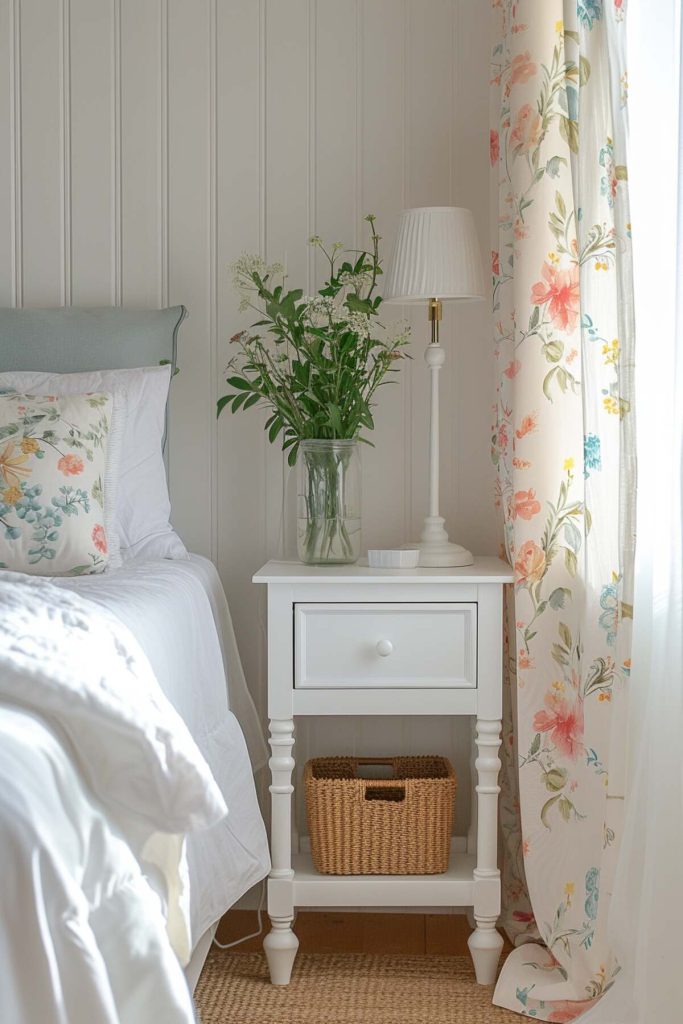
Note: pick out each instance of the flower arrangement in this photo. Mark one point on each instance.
(316, 363)
(323, 357)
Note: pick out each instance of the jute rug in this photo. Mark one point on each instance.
(346, 988)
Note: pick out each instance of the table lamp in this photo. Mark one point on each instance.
(435, 259)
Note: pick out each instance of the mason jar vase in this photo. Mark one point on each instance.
(328, 502)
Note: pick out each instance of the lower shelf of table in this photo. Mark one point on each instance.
(454, 888)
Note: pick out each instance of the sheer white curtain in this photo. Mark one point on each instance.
(646, 915)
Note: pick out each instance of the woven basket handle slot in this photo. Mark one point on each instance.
(375, 762)
(393, 794)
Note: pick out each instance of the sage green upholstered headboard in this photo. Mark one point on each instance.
(70, 340)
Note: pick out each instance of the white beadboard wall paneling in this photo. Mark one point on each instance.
(42, 178)
(7, 155)
(241, 216)
(137, 217)
(189, 209)
(88, 152)
(147, 143)
(289, 35)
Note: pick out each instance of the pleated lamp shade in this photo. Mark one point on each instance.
(436, 255)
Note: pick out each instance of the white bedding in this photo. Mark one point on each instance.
(97, 770)
(179, 615)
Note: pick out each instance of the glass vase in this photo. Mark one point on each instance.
(328, 502)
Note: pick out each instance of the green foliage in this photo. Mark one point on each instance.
(318, 360)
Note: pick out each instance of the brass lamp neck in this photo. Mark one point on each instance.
(434, 315)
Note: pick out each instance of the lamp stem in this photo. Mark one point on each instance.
(435, 548)
(435, 358)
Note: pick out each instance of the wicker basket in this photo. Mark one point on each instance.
(390, 826)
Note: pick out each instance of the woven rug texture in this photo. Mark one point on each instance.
(346, 988)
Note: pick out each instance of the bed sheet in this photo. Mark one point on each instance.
(179, 615)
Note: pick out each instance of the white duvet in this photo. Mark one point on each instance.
(84, 937)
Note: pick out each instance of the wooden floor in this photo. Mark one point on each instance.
(344, 932)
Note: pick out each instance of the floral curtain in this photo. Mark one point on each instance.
(564, 449)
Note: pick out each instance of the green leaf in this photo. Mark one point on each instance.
(558, 597)
(275, 428)
(238, 401)
(334, 417)
(534, 318)
(547, 381)
(552, 168)
(559, 654)
(572, 536)
(570, 561)
(357, 305)
(553, 351)
(565, 807)
(535, 745)
(561, 205)
(221, 403)
(565, 635)
(240, 383)
(546, 808)
(584, 70)
(621, 173)
(555, 779)
(569, 130)
(252, 400)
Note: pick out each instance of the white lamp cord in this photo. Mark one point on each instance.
(253, 935)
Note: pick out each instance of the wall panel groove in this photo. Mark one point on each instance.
(117, 199)
(213, 257)
(66, 149)
(312, 142)
(16, 221)
(164, 157)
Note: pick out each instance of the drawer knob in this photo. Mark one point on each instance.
(384, 648)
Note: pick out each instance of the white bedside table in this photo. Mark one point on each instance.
(350, 640)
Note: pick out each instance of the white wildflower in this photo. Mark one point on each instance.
(359, 323)
(249, 264)
(356, 281)
(319, 309)
(246, 265)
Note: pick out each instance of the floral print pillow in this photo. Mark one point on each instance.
(53, 454)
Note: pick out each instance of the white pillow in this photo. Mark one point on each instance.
(143, 507)
(53, 457)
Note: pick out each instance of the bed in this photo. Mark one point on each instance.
(78, 815)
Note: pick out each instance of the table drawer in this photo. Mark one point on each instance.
(346, 646)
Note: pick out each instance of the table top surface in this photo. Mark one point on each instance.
(484, 569)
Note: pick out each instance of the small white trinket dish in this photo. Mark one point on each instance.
(393, 558)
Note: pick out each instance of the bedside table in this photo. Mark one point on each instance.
(350, 640)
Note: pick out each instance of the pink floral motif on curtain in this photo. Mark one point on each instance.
(565, 454)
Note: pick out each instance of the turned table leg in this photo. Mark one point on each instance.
(485, 942)
(281, 944)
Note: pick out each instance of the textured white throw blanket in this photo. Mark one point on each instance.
(99, 782)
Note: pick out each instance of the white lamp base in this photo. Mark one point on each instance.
(436, 556)
(436, 551)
